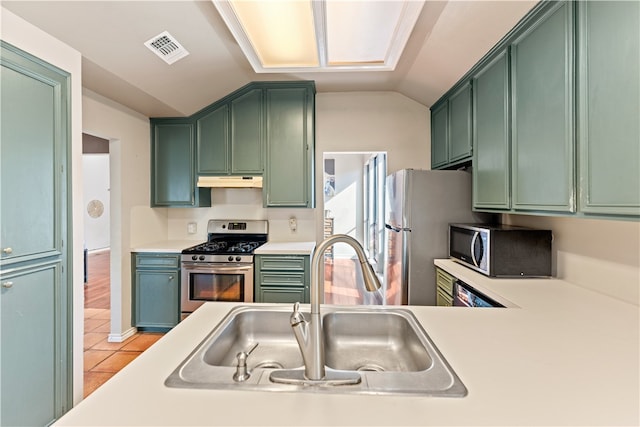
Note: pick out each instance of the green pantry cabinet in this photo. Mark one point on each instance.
(35, 284)
(282, 278)
(156, 290)
(261, 129)
(553, 137)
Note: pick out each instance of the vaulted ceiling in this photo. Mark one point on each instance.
(449, 37)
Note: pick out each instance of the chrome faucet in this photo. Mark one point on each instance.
(309, 333)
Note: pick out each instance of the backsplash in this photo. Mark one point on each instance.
(241, 203)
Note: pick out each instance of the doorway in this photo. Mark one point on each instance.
(97, 221)
(353, 192)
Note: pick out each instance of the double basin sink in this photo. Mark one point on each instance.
(387, 347)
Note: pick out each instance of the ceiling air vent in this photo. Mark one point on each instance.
(166, 47)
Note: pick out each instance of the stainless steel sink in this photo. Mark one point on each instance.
(387, 346)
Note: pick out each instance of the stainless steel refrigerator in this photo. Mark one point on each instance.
(419, 206)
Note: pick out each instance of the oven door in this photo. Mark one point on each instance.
(202, 282)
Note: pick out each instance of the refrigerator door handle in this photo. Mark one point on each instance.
(396, 229)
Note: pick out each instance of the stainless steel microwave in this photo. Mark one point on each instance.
(501, 250)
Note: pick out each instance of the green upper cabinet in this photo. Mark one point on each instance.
(290, 146)
(173, 177)
(542, 116)
(460, 124)
(440, 135)
(230, 137)
(247, 133)
(451, 128)
(263, 128)
(491, 153)
(609, 106)
(212, 134)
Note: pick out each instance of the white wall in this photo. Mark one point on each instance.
(132, 220)
(602, 255)
(95, 173)
(371, 122)
(25, 36)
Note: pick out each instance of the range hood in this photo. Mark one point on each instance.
(230, 181)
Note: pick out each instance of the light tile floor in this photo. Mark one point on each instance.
(103, 359)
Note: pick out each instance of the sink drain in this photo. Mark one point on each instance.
(269, 364)
(371, 367)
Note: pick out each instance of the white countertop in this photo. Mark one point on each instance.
(165, 246)
(286, 248)
(562, 355)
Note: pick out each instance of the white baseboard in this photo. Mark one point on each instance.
(123, 336)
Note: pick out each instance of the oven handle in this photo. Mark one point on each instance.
(215, 269)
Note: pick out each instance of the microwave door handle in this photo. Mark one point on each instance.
(473, 247)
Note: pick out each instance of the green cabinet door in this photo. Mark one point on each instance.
(173, 181)
(247, 133)
(212, 140)
(35, 290)
(290, 147)
(440, 135)
(491, 152)
(28, 161)
(282, 278)
(542, 116)
(156, 290)
(31, 348)
(460, 107)
(609, 106)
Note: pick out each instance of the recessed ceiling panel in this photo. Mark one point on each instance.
(361, 32)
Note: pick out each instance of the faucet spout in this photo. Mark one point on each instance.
(314, 363)
(309, 333)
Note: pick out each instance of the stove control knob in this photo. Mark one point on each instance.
(194, 257)
(230, 258)
(238, 258)
(201, 258)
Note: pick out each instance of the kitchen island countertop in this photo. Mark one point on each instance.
(559, 355)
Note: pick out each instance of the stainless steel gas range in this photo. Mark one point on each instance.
(221, 269)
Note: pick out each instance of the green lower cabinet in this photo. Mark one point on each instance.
(156, 291)
(609, 106)
(444, 284)
(282, 278)
(32, 352)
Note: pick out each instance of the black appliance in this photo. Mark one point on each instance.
(501, 250)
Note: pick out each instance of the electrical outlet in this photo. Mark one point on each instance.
(192, 227)
(293, 225)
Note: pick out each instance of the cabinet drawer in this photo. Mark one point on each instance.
(157, 261)
(444, 282)
(282, 295)
(288, 263)
(281, 279)
(443, 300)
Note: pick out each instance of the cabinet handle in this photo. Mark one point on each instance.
(170, 277)
(7, 285)
(7, 251)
